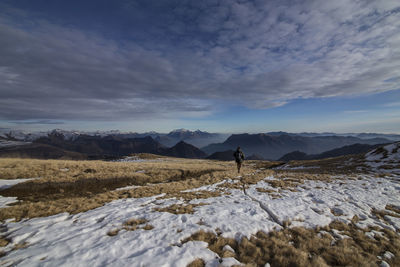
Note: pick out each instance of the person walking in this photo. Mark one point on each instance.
(239, 157)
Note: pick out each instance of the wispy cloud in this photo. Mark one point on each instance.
(23, 122)
(392, 104)
(259, 54)
(355, 111)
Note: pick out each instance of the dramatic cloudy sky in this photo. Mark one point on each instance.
(216, 65)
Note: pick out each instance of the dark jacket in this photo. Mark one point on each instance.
(239, 156)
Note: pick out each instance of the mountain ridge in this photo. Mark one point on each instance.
(342, 151)
(275, 146)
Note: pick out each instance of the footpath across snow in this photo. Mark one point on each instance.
(83, 240)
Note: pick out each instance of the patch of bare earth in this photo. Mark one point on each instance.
(338, 244)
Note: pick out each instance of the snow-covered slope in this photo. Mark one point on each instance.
(385, 158)
(31, 136)
(6, 143)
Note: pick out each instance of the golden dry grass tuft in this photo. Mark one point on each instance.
(264, 190)
(393, 208)
(132, 225)
(148, 227)
(113, 232)
(271, 193)
(135, 222)
(196, 263)
(4, 241)
(390, 210)
(180, 208)
(187, 196)
(308, 247)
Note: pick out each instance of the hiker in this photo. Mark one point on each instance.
(239, 157)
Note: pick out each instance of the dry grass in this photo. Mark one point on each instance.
(148, 227)
(113, 232)
(148, 156)
(132, 224)
(272, 193)
(308, 247)
(231, 185)
(197, 263)
(390, 210)
(348, 165)
(135, 222)
(264, 190)
(78, 186)
(180, 208)
(393, 208)
(4, 241)
(20, 245)
(70, 171)
(286, 180)
(187, 196)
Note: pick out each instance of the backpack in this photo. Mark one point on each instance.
(239, 157)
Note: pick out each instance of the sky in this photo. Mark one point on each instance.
(216, 65)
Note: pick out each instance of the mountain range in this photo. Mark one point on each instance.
(346, 150)
(56, 145)
(197, 138)
(275, 146)
(180, 143)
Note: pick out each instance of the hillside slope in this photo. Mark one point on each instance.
(184, 150)
(342, 151)
(39, 151)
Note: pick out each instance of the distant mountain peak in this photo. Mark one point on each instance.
(181, 130)
(185, 150)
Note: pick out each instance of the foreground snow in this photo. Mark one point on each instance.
(82, 240)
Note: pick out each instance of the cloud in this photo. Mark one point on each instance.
(355, 111)
(259, 54)
(392, 104)
(51, 122)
